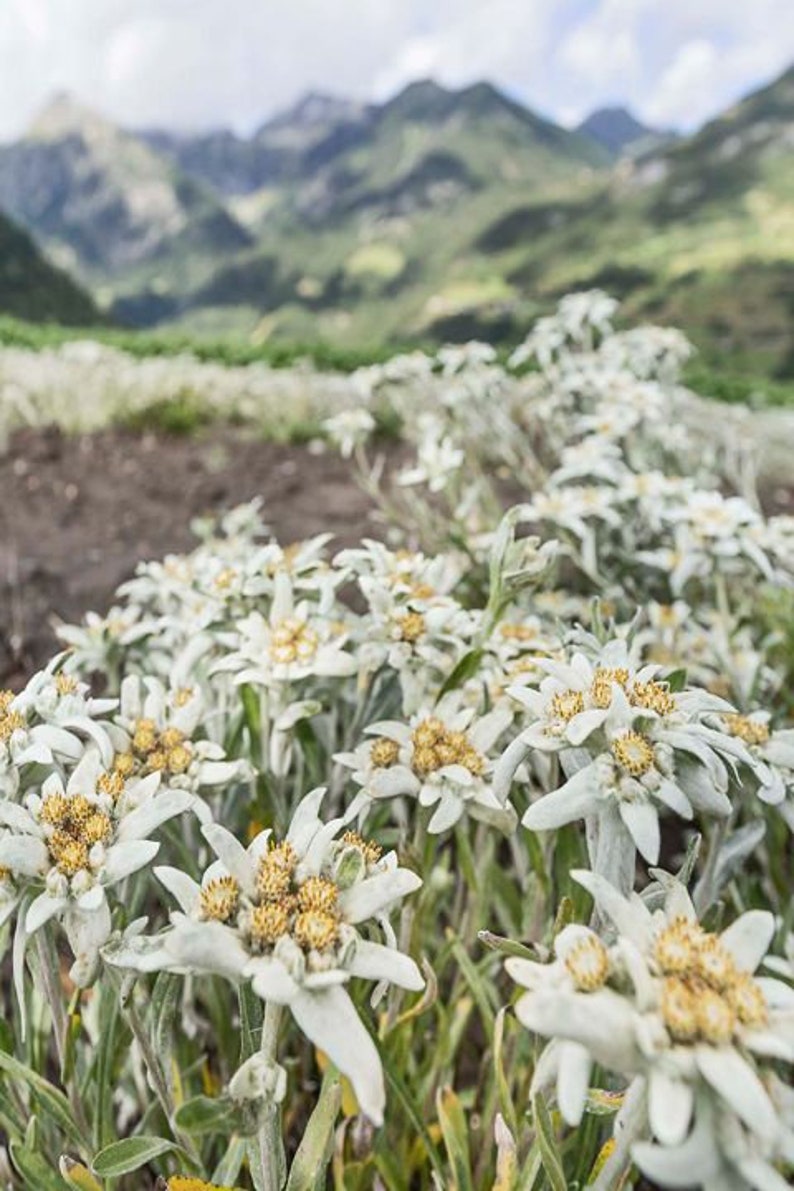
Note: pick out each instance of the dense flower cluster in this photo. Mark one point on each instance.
(594, 656)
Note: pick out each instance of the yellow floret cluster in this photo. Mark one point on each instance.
(166, 750)
(77, 824)
(705, 997)
(305, 909)
(436, 745)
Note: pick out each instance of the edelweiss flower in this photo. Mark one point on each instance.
(640, 745)
(440, 758)
(437, 457)
(348, 429)
(49, 719)
(155, 732)
(287, 916)
(69, 843)
(293, 643)
(420, 635)
(682, 1009)
(771, 752)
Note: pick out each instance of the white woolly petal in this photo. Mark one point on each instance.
(329, 1019)
(577, 799)
(375, 894)
(373, 961)
(306, 820)
(185, 891)
(573, 1080)
(748, 938)
(446, 814)
(737, 1084)
(271, 980)
(24, 854)
(642, 822)
(236, 859)
(123, 859)
(151, 814)
(206, 947)
(670, 1104)
(42, 909)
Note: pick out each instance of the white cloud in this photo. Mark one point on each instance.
(198, 63)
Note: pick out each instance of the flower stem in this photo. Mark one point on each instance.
(266, 1152)
(706, 889)
(157, 1075)
(629, 1126)
(49, 965)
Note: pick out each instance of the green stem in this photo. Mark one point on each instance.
(630, 1125)
(706, 892)
(48, 963)
(266, 1152)
(157, 1076)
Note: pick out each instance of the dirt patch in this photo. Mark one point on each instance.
(77, 514)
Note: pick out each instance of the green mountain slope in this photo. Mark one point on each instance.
(439, 214)
(103, 203)
(33, 289)
(700, 233)
(361, 229)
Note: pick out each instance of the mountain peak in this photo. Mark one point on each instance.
(315, 109)
(614, 128)
(64, 115)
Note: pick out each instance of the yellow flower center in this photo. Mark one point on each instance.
(274, 877)
(704, 996)
(10, 722)
(422, 591)
(65, 684)
(603, 680)
(225, 578)
(675, 947)
(315, 930)
(144, 736)
(112, 784)
(748, 730)
(124, 764)
(293, 640)
(748, 1001)
(384, 753)
(178, 759)
(171, 738)
(714, 964)
(435, 746)
(319, 894)
(54, 809)
(78, 825)
(167, 751)
(716, 1019)
(69, 854)
(270, 921)
(587, 963)
(633, 752)
(518, 632)
(183, 696)
(370, 851)
(220, 898)
(411, 627)
(566, 704)
(679, 1010)
(654, 696)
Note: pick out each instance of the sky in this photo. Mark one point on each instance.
(195, 64)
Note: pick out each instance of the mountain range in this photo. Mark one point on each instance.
(438, 214)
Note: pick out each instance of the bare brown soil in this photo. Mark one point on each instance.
(77, 514)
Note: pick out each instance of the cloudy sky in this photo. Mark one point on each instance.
(201, 63)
